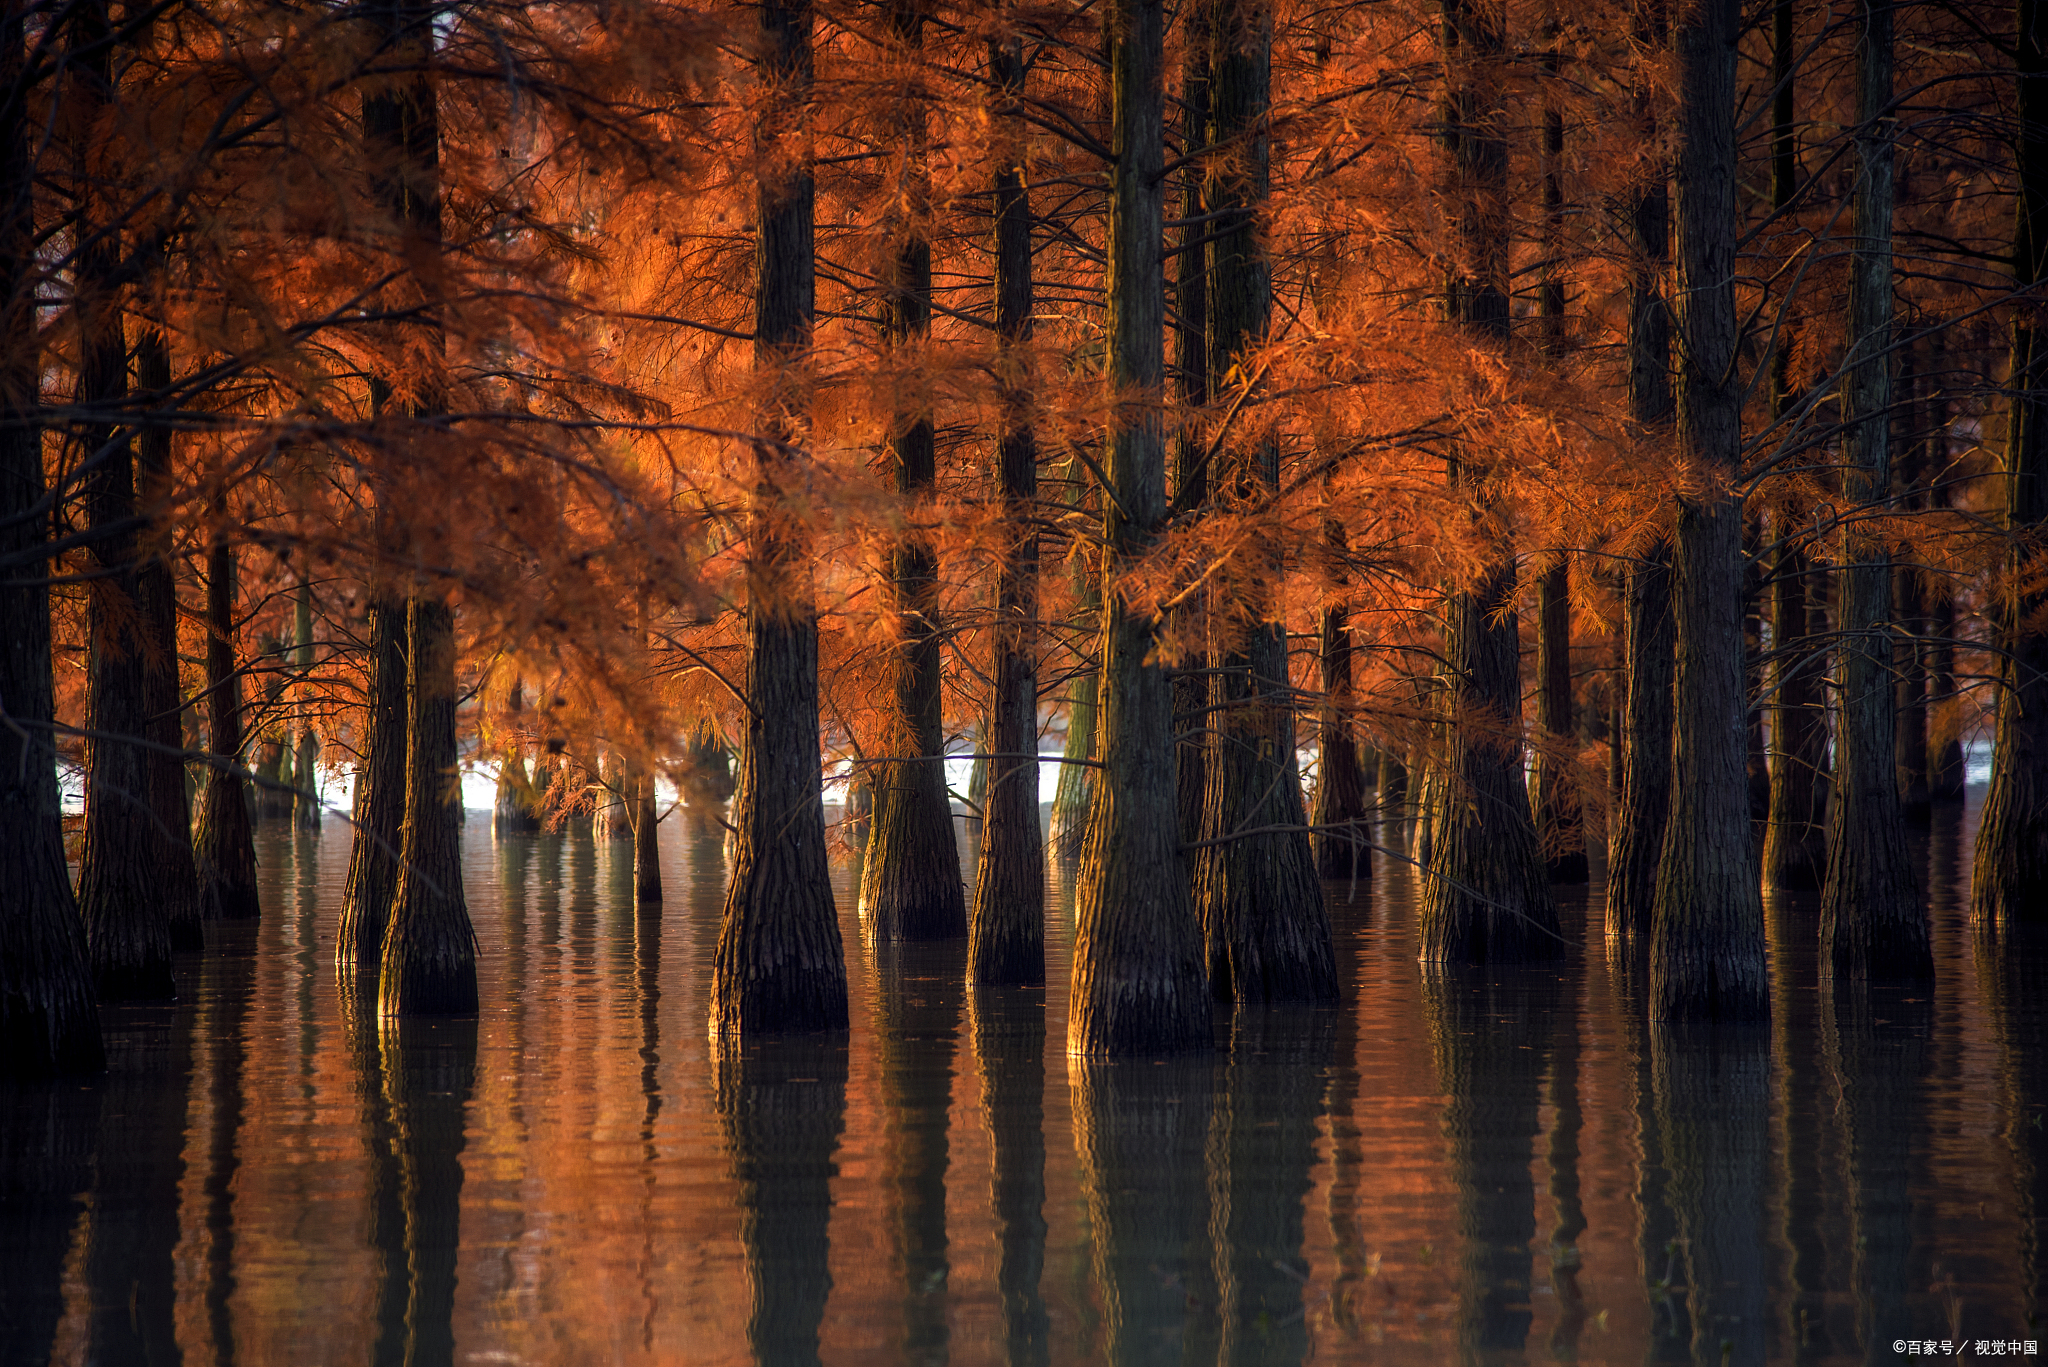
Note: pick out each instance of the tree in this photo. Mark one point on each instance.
(1139, 979)
(224, 849)
(780, 965)
(1006, 933)
(1706, 935)
(47, 1021)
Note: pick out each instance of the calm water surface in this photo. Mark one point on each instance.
(1500, 1170)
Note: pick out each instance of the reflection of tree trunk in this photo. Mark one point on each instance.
(1656, 1229)
(2013, 976)
(1263, 1140)
(1009, 1051)
(918, 996)
(1566, 1123)
(1139, 1133)
(47, 1156)
(133, 1233)
(1712, 1091)
(1491, 1038)
(384, 1191)
(47, 1021)
(1804, 1104)
(429, 1069)
(1876, 1042)
(224, 1005)
(783, 1104)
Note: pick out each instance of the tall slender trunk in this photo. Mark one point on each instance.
(780, 965)
(1795, 848)
(1342, 815)
(127, 929)
(427, 966)
(1553, 794)
(1485, 898)
(47, 1022)
(1945, 744)
(306, 812)
(170, 823)
(1635, 839)
(1074, 791)
(1873, 923)
(1190, 453)
(2012, 832)
(641, 813)
(1138, 984)
(1706, 935)
(379, 797)
(224, 848)
(1258, 896)
(910, 880)
(1006, 934)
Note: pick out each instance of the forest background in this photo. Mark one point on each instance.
(1610, 427)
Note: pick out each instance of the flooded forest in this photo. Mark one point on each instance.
(1140, 681)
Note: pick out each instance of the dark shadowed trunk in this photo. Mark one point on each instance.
(1190, 453)
(639, 803)
(1485, 898)
(428, 966)
(1342, 814)
(127, 927)
(170, 813)
(2012, 832)
(379, 799)
(1873, 924)
(429, 1072)
(1635, 837)
(1139, 985)
(779, 963)
(1707, 936)
(1006, 934)
(225, 849)
(306, 810)
(1255, 884)
(918, 1002)
(910, 880)
(47, 1021)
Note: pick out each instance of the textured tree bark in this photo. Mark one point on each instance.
(1342, 816)
(224, 849)
(1258, 897)
(379, 799)
(170, 815)
(646, 849)
(1485, 898)
(1190, 455)
(1139, 981)
(910, 880)
(48, 1025)
(127, 927)
(1706, 937)
(1635, 837)
(1006, 932)
(2012, 830)
(1073, 792)
(1553, 794)
(428, 965)
(779, 964)
(1873, 923)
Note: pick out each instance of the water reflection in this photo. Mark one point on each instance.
(783, 1105)
(1502, 1169)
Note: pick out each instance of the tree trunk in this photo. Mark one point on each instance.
(379, 799)
(1873, 924)
(1560, 823)
(429, 955)
(1485, 898)
(646, 849)
(225, 850)
(1138, 984)
(1635, 838)
(1343, 807)
(1707, 937)
(780, 965)
(47, 1022)
(306, 809)
(170, 822)
(1006, 934)
(1258, 896)
(1073, 792)
(127, 929)
(910, 880)
(2012, 831)
(1190, 449)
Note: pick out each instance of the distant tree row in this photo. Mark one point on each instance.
(601, 391)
